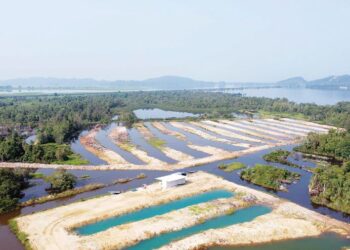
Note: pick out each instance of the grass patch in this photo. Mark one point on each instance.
(122, 180)
(22, 237)
(126, 146)
(73, 159)
(37, 175)
(280, 156)
(231, 166)
(197, 209)
(65, 194)
(85, 177)
(269, 176)
(270, 114)
(156, 142)
(141, 176)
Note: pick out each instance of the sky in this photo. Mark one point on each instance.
(214, 40)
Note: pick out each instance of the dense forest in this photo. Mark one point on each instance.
(12, 182)
(269, 176)
(330, 184)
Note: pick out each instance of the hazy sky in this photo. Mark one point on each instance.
(262, 40)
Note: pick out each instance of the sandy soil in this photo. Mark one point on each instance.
(279, 125)
(228, 133)
(297, 126)
(206, 135)
(272, 127)
(312, 124)
(252, 124)
(208, 149)
(50, 229)
(118, 137)
(160, 126)
(264, 134)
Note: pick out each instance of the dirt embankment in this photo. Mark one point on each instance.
(229, 133)
(207, 136)
(250, 128)
(160, 126)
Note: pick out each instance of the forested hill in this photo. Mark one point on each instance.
(169, 83)
(159, 83)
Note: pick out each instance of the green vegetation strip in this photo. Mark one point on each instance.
(22, 237)
(65, 194)
(280, 156)
(269, 176)
(156, 142)
(231, 166)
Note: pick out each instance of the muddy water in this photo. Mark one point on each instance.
(197, 140)
(102, 137)
(175, 143)
(78, 148)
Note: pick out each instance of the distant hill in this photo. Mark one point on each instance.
(168, 83)
(331, 82)
(160, 83)
(293, 82)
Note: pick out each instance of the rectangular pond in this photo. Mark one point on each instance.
(240, 216)
(152, 211)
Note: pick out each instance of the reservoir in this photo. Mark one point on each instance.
(240, 216)
(153, 211)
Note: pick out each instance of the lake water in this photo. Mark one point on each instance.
(240, 216)
(152, 211)
(298, 95)
(161, 114)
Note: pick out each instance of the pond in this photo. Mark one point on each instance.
(153, 211)
(240, 216)
(145, 114)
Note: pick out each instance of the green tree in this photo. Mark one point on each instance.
(61, 181)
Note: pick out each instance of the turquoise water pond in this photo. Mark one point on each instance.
(152, 211)
(324, 242)
(239, 216)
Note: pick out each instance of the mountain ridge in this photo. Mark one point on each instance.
(169, 82)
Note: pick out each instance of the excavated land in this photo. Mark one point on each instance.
(54, 229)
(250, 135)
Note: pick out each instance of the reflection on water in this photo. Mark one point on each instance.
(161, 114)
(298, 95)
(78, 148)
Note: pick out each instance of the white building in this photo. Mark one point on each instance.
(172, 180)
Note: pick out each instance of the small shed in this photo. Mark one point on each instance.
(172, 180)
